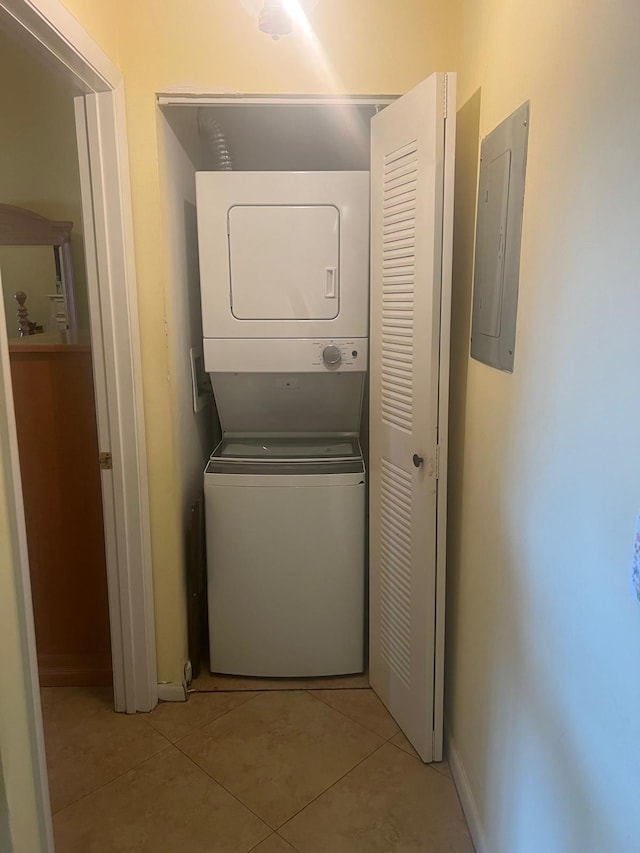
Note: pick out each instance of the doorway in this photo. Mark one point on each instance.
(248, 134)
(411, 168)
(51, 370)
(49, 31)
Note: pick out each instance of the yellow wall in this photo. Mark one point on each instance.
(368, 46)
(543, 632)
(99, 19)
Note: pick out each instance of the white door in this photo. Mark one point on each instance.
(411, 222)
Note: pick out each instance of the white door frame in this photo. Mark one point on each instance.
(50, 32)
(106, 207)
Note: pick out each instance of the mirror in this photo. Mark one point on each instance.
(35, 258)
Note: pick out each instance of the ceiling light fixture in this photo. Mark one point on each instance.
(278, 17)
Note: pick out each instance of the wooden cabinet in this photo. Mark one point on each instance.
(57, 440)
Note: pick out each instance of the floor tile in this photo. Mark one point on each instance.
(174, 720)
(400, 740)
(274, 844)
(88, 744)
(164, 804)
(278, 751)
(389, 803)
(362, 706)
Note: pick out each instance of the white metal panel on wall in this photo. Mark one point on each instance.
(407, 275)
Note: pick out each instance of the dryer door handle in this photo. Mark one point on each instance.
(330, 283)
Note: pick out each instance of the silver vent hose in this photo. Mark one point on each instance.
(216, 143)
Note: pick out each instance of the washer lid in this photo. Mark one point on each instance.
(287, 448)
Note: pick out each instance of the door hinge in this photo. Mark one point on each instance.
(437, 461)
(105, 461)
(446, 92)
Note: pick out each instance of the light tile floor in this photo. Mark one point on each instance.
(313, 771)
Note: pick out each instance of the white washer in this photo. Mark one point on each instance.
(286, 583)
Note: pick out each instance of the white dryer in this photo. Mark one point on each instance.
(283, 254)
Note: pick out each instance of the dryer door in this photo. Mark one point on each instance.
(284, 261)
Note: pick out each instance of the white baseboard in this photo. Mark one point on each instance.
(466, 795)
(172, 691)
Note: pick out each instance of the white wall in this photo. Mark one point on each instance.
(543, 631)
(196, 433)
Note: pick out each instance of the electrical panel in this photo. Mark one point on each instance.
(503, 161)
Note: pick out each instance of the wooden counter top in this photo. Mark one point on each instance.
(47, 343)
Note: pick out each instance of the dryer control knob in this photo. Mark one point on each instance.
(331, 356)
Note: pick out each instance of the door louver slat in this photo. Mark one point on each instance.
(395, 569)
(398, 270)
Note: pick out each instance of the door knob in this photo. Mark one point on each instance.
(417, 460)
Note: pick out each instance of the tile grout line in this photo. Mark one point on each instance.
(221, 717)
(282, 838)
(224, 788)
(429, 765)
(154, 729)
(115, 778)
(276, 829)
(440, 772)
(275, 689)
(168, 744)
(388, 740)
(118, 775)
(247, 699)
(327, 789)
(200, 725)
(351, 719)
(274, 832)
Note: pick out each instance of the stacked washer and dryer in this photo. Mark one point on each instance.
(284, 288)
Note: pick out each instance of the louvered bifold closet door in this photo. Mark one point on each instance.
(406, 265)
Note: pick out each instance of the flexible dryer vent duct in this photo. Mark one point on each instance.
(214, 141)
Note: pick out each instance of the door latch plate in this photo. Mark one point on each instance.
(105, 461)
